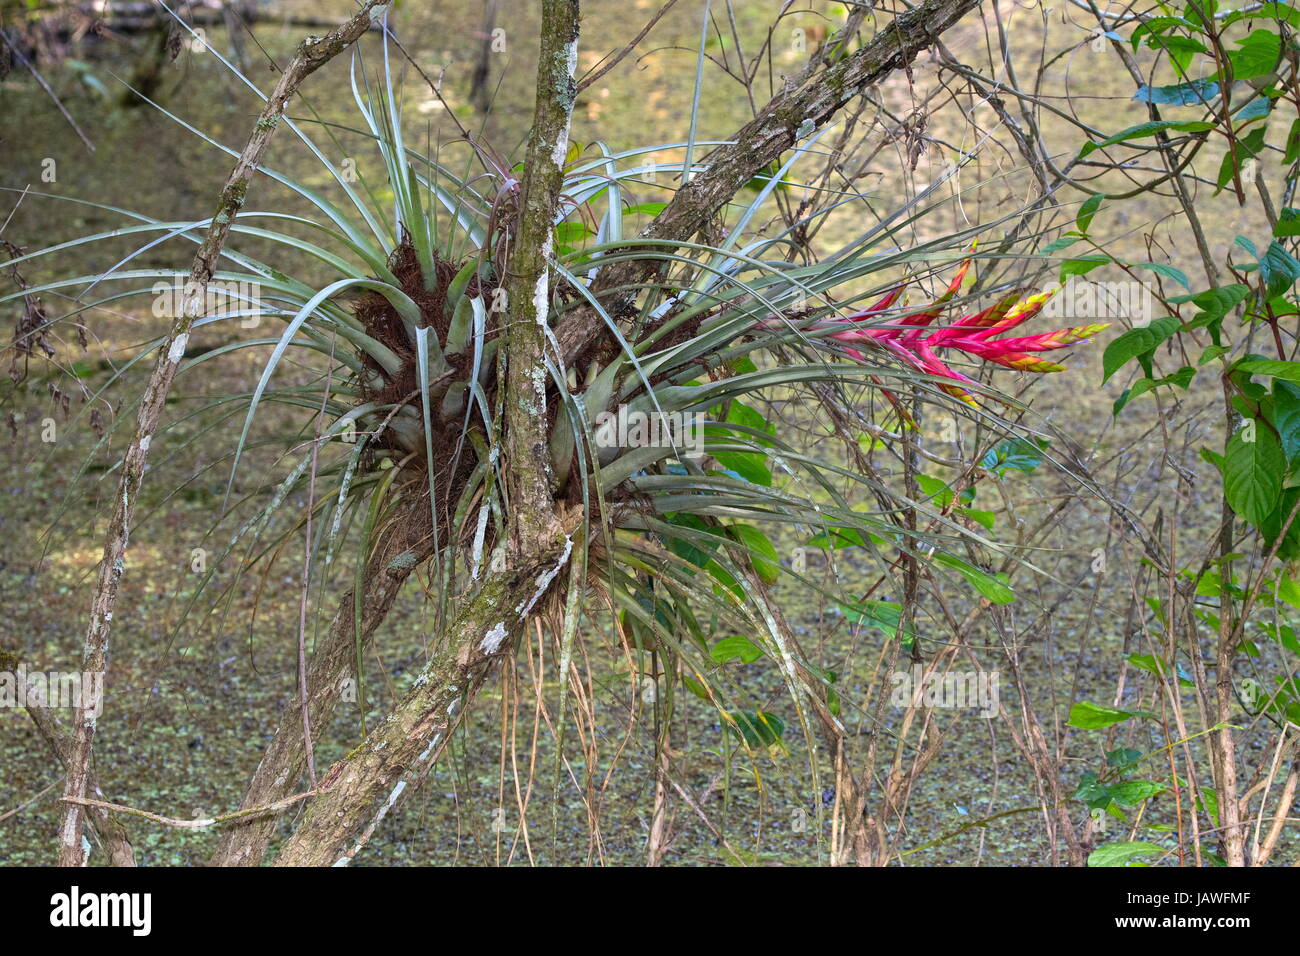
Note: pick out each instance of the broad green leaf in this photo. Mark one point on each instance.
(989, 586)
(1248, 147)
(758, 728)
(1257, 55)
(1082, 266)
(1120, 854)
(1132, 792)
(1089, 209)
(1279, 270)
(1287, 371)
(737, 648)
(1192, 93)
(1288, 222)
(761, 551)
(1286, 416)
(750, 466)
(1252, 474)
(884, 616)
(1015, 454)
(1169, 272)
(1143, 130)
(1136, 343)
(1086, 715)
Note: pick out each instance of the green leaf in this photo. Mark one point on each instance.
(1155, 126)
(1248, 147)
(1132, 792)
(986, 518)
(1287, 371)
(1211, 353)
(1091, 791)
(884, 616)
(1192, 93)
(1292, 152)
(1288, 222)
(939, 493)
(989, 586)
(748, 465)
(696, 688)
(1086, 715)
(1286, 417)
(1169, 272)
(1064, 242)
(1015, 454)
(1122, 758)
(1082, 266)
(1182, 50)
(685, 547)
(1089, 209)
(1153, 27)
(1120, 854)
(760, 551)
(1279, 270)
(646, 208)
(758, 728)
(1252, 472)
(1257, 55)
(737, 648)
(741, 414)
(1257, 108)
(567, 232)
(1136, 343)
(1209, 802)
(1288, 590)
(1182, 378)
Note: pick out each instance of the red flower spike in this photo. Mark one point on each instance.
(933, 310)
(912, 342)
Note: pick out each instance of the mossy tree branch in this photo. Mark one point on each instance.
(528, 280)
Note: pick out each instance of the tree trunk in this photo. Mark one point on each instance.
(402, 749)
(408, 545)
(362, 788)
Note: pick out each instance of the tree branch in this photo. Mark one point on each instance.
(313, 53)
(807, 102)
(528, 281)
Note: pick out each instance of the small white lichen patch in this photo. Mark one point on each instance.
(542, 296)
(562, 141)
(546, 577)
(494, 638)
(177, 351)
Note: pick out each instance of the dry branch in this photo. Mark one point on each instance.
(313, 53)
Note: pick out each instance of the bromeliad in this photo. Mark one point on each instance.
(913, 339)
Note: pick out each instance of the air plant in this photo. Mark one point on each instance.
(408, 326)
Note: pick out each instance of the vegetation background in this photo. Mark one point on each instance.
(194, 700)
